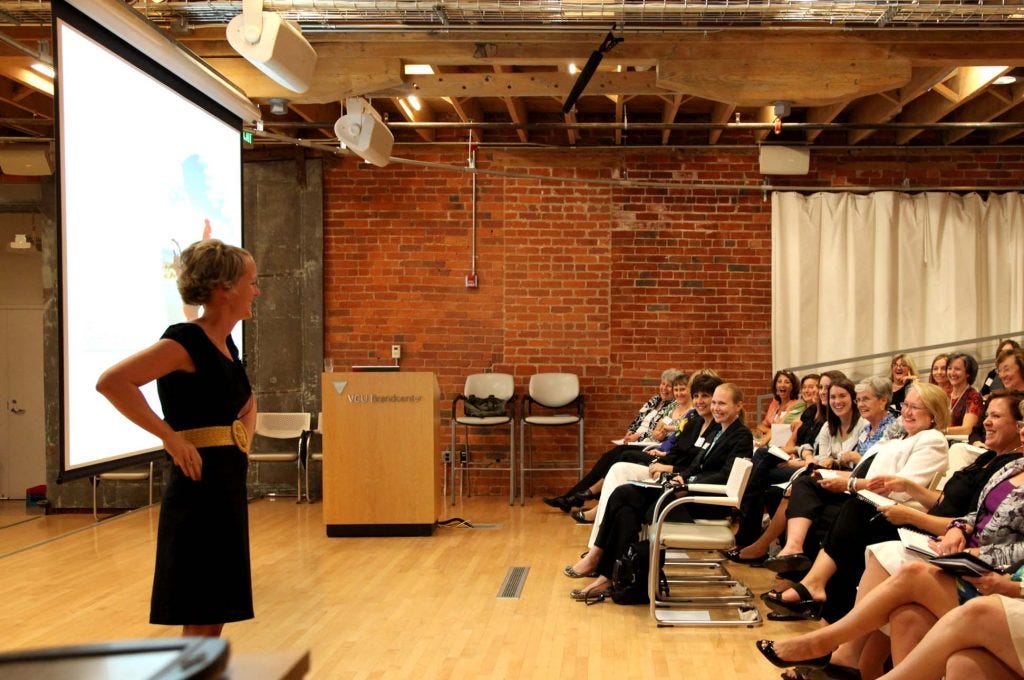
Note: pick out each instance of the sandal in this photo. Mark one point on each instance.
(588, 597)
(804, 608)
(785, 563)
(572, 573)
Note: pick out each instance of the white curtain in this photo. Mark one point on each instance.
(861, 274)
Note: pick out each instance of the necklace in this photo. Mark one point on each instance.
(957, 400)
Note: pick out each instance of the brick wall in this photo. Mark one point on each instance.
(612, 283)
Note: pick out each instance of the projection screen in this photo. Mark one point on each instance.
(147, 164)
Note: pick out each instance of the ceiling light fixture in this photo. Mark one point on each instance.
(1005, 80)
(419, 70)
(414, 101)
(573, 69)
(278, 105)
(44, 69)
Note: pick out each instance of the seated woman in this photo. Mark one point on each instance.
(630, 506)
(901, 372)
(829, 588)
(965, 411)
(784, 408)
(983, 638)
(770, 469)
(938, 373)
(992, 381)
(1010, 365)
(649, 424)
(873, 405)
(918, 456)
(692, 440)
(994, 532)
(842, 427)
(766, 474)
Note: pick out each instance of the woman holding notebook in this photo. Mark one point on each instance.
(994, 532)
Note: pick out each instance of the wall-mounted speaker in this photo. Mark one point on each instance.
(278, 48)
(785, 160)
(362, 131)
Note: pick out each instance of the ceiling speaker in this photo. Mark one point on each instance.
(26, 159)
(362, 131)
(278, 48)
(785, 160)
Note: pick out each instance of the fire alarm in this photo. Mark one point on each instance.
(472, 281)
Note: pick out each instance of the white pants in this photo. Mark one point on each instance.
(619, 474)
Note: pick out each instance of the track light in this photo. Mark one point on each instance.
(588, 71)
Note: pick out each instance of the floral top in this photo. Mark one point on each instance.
(968, 402)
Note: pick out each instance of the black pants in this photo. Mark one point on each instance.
(857, 526)
(623, 453)
(628, 509)
(767, 471)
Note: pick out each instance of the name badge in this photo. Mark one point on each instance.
(700, 442)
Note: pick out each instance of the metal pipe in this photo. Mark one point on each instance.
(682, 186)
(611, 125)
(911, 350)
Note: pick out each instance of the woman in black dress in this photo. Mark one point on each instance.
(202, 578)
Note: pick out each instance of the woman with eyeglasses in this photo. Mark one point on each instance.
(993, 381)
(902, 372)
(918, 456)
(832, 581)
(919, 594)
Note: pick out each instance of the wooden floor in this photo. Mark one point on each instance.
(372, 608)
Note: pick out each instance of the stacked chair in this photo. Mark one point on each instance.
(698, 589)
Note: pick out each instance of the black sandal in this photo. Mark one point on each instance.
(805, 608)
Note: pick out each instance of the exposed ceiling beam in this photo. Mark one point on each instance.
(823, 114)
(995, 102)
(534, 84)
(1017, 116)
(415, 110)
(669, 113)
(721, 113)
(884, 107)
(516, 108)
(933, 106)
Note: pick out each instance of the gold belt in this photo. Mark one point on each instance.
(219, 435)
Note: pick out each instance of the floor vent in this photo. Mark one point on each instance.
(512, 586)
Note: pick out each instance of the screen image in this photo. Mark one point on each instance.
(144, 172)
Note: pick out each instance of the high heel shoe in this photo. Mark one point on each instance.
(734, 556)
(580, 517)
(767, 649)
(560, 502)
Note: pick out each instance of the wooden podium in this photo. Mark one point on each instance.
(382, 453)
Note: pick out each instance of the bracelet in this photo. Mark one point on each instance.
(851, 484)
(963, 526)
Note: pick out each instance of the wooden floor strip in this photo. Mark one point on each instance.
(397, 607)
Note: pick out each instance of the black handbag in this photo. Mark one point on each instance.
(630, 573)
(484, 407)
